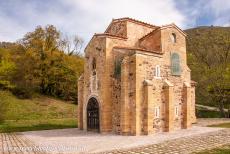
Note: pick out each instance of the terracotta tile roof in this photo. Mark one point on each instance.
(136, 48)
(106, 35)
(135, 21)
(174, 25)
(162, 27)
(109, 35)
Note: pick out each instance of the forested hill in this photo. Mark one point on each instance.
(208, 51)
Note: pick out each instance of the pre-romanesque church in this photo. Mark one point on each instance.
(136, 80)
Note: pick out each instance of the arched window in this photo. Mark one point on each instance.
(175, 64)
(94, 64)
(157, 71)
(173, 37)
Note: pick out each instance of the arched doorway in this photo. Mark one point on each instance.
(93, 119)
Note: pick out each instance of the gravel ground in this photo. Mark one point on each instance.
(76, 141)
(88, 142)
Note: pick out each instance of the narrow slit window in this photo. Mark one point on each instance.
(157, 71)
(94, 64)
(157, 112)
(176, 111)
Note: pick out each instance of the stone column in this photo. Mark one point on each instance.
(125, 116)
(169, 106)
(186, 105)
(80, 101)
(137, 69)
(193, 102)
(148, 107)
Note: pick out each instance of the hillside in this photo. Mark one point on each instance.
(209, 60)
(38, 113)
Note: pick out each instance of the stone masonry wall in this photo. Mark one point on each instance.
(95, 49)
(122, 99)
(118, 29)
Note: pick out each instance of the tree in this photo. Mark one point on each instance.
(72, 45)
(39, 46)
(49, 68)
(42, 61)
(209, 60)
(7, 68)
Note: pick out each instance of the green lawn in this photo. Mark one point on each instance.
(36, 114)
(223, 125)
(221, 150)
(30, 125)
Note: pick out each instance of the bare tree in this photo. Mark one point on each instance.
(72, 44)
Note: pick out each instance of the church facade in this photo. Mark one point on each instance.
(136, 80)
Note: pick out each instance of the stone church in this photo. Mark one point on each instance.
(136, 80)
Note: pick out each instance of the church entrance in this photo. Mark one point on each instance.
(93, 122)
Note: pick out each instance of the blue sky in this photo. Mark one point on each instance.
(86, 17)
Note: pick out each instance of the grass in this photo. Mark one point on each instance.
(220, 150)
(36, 114)
(32, 125)
(223, 125)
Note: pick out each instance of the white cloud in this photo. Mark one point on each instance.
(97, 14)
(9, 30)
(86, 17)
(154, 11)
(220, 9)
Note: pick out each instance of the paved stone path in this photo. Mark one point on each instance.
(183, 145)
(90, 142)
(182, 141)
(12, 143)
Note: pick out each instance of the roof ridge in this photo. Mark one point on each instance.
(161, 27)
(135, 20)
(108, 34)
(178, 28)
(137, 48)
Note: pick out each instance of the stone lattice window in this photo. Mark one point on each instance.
(175, 64)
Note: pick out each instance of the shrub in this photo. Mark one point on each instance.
(22, 92)
(3, 107)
